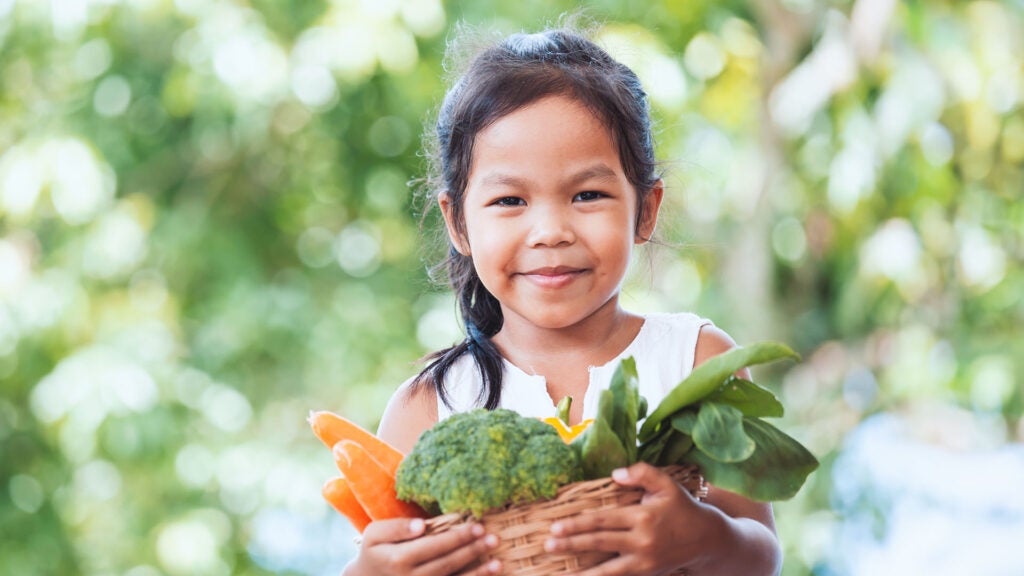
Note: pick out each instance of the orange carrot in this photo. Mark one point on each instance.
(339, 495)
(373, 486)
(331, 429)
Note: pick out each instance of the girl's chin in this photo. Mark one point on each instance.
(551, 318)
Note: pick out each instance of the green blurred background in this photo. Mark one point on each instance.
(206, 230)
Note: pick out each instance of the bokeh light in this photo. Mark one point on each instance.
(209, 226)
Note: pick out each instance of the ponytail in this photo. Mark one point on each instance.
(482, 317)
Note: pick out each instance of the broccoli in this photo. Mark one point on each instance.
(480, 460)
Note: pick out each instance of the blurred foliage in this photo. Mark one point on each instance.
(206, 231)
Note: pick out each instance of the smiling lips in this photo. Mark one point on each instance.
(553, 276)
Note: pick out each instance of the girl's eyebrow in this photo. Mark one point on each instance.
(598, 171)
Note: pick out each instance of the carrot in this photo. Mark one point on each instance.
(373, 486)
(339, 495)
(331, 429)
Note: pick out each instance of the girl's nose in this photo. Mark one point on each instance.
(550, 227)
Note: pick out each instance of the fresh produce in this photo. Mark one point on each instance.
(371, 484)
(712, 419)
(710, 376)
(339, 495)
(331, 429)
(610, 440)
(366, 489)
(480, 460)
(567, 432)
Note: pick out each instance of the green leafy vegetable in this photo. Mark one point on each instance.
(600, 449)
(676, 447)
(776, 470)
(562, 410)
(719, 433)
(625, 403)
(750, 398)
(713, 421)
(709, 376)
(685, 421)
(610, 441)
(652, 451)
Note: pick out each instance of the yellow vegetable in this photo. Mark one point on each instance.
(565, 432)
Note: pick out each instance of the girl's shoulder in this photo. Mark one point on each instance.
(684, 339)
(671, 333)
(665, 350)
(676, 320)
(411, 410)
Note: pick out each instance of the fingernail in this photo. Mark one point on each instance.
(550, 545)
(477, 530)
(557, 528)
(416, 525)
(491, 541)
(620, 474)
(494, 566)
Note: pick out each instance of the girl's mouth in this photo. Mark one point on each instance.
(553, 276)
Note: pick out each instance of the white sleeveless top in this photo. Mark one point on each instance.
(664, 353)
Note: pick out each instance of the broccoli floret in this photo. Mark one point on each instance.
(480, 460)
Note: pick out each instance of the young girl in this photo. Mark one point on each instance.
(546, 180)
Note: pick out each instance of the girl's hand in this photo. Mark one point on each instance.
(399, 547)
(664, 531)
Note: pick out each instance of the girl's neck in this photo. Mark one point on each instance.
(551, 352)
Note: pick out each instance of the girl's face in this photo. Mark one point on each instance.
(550, 218)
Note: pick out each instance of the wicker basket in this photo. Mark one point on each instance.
(524, 528)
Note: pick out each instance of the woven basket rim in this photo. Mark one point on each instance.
(523, 528)
(680, 473)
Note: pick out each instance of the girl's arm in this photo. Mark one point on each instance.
(409, 413)
(399, 546)
(750, 526)
(726, 534)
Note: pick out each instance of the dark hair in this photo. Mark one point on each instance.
(516, 72)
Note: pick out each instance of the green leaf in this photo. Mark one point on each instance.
(676, 448)
(625, 403)
(651, 450)
(670, 444)
(719, 433)
(685, 421)
(776, 470)
(750, 398)
(600, 450)
(562, 409)
(707, 377)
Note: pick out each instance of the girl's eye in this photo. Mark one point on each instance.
(589, 196)
(509, 201)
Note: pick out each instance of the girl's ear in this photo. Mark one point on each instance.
(457, 238)
(652, 202)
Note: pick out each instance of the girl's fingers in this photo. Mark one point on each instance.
(492, 567)
(606, 541)
(462, 557)
(393, 530)
(645, 476)
(620, 519)
(442, 546)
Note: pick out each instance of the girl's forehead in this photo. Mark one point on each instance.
(551, 133)
(548, 114)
